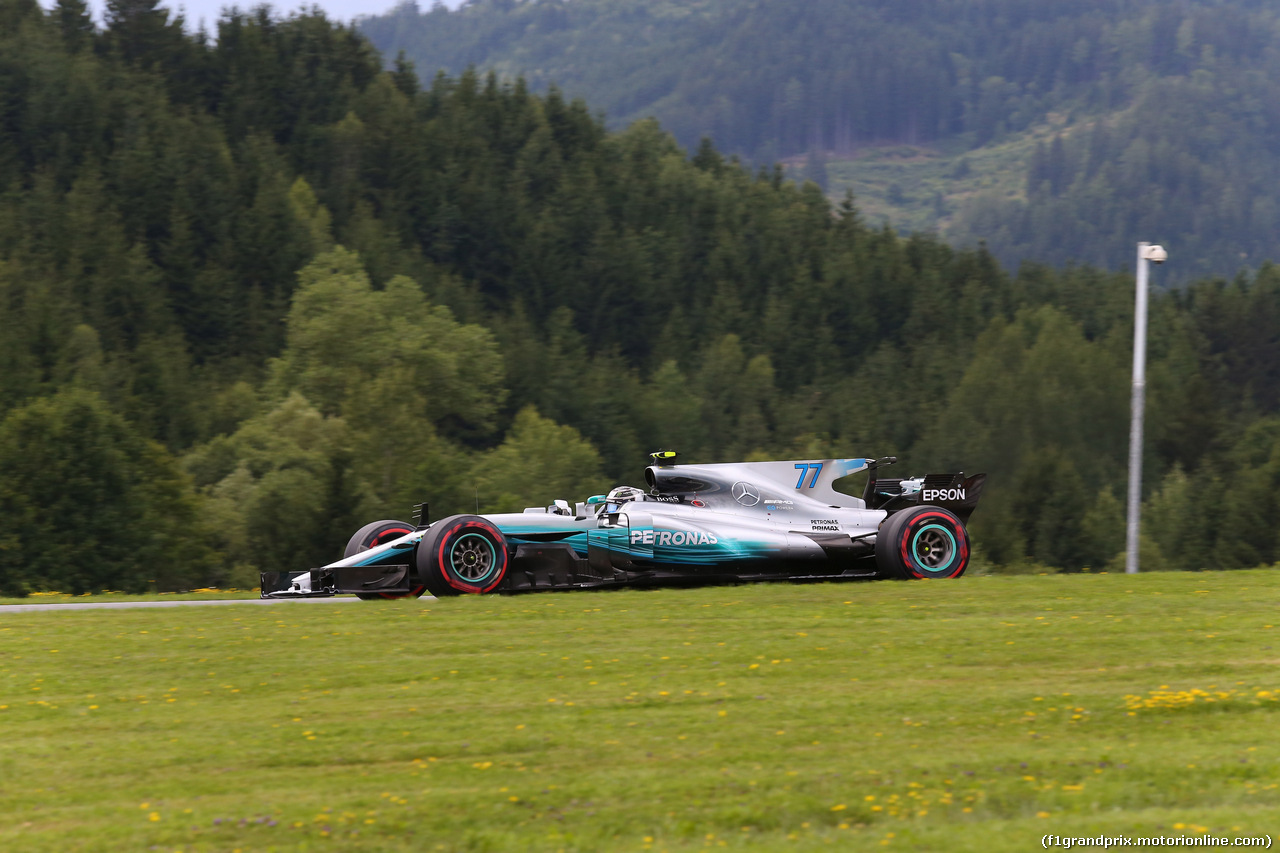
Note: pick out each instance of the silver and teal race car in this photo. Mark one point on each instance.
(729, 522)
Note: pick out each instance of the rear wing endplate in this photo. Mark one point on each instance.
(954, 492)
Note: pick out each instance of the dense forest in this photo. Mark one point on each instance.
(256, 290)
(1152, 120)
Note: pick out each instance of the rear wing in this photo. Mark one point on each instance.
(954, 492)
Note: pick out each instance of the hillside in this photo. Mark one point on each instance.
(1164, 114)
(256, 290)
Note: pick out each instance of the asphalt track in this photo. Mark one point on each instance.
(122, 605)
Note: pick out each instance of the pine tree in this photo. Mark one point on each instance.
(75, 23)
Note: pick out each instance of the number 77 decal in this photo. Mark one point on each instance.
(804, 469)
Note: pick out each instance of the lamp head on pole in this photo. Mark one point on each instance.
(1156, 254)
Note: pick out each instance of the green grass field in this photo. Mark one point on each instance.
(970, 715)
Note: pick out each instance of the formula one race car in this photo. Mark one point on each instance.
(695, 524)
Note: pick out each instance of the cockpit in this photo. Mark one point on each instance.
(610, 503)
(621, 495)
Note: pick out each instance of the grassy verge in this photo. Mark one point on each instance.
(974, 715)
(107, 596)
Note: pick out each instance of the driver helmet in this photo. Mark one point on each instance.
(621, 495)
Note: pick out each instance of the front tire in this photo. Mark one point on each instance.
(371, 536)
(463, 554)
(922, 542)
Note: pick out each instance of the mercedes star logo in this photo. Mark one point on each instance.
(746, 494)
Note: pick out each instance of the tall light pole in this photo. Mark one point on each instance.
(1154, 254)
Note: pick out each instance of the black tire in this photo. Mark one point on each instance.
(375, 534)
(463, 554)
(922, 542)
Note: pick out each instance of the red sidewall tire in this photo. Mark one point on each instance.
(463, 554)
(372, 535)
(887, 559)
(902, 546)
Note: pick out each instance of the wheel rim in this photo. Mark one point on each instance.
(473, 558)
(934, 548)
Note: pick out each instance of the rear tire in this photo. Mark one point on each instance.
(375, 534)
(463, 554)
(922, 542)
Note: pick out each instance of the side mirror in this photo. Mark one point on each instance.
(595, 499)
